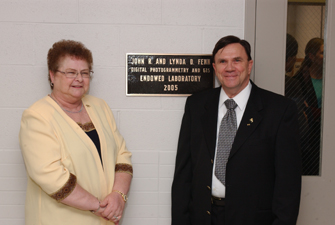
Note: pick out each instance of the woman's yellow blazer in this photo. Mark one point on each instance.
(54, 146)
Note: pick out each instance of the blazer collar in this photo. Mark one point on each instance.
(250, 120)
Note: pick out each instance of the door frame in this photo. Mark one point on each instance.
(265, 29)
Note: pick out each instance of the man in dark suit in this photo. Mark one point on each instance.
(263, 173)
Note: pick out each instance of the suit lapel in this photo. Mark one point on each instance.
(209, 120)
(250, 120)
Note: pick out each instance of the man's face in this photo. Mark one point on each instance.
(290, 63)
(232, 68)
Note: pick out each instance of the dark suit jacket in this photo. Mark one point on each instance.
(263, 175)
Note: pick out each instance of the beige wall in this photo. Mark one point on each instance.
(110, 28)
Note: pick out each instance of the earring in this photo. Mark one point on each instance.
(52, 84)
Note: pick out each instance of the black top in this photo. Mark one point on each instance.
(93, 134)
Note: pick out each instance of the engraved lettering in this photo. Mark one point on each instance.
(138, 61)
(160, 61)
(170, 87)
(177, 61)
(138, 69)
(206, 70)
(204, 61)
(195, 70)
(152, 78)
(179, 78)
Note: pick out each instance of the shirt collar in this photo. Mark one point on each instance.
(241, 98)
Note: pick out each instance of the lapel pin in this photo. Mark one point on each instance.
(251, 121)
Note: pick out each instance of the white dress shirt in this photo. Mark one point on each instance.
(218, 189)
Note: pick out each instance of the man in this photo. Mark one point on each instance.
(292, 85)
(291, 54)
(262, 177)
(293, 90)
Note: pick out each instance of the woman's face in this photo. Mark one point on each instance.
(319, 57)
(70, 89)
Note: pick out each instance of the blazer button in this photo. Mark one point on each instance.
(208, 212)
(212, 161)
(209, 187)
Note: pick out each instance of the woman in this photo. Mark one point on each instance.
(310, 73)
(79, 169)
(310, 79)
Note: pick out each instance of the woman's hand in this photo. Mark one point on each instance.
(114, 202)
(99, 212)
(114, 205)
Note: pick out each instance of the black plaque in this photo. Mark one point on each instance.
(165, 75)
